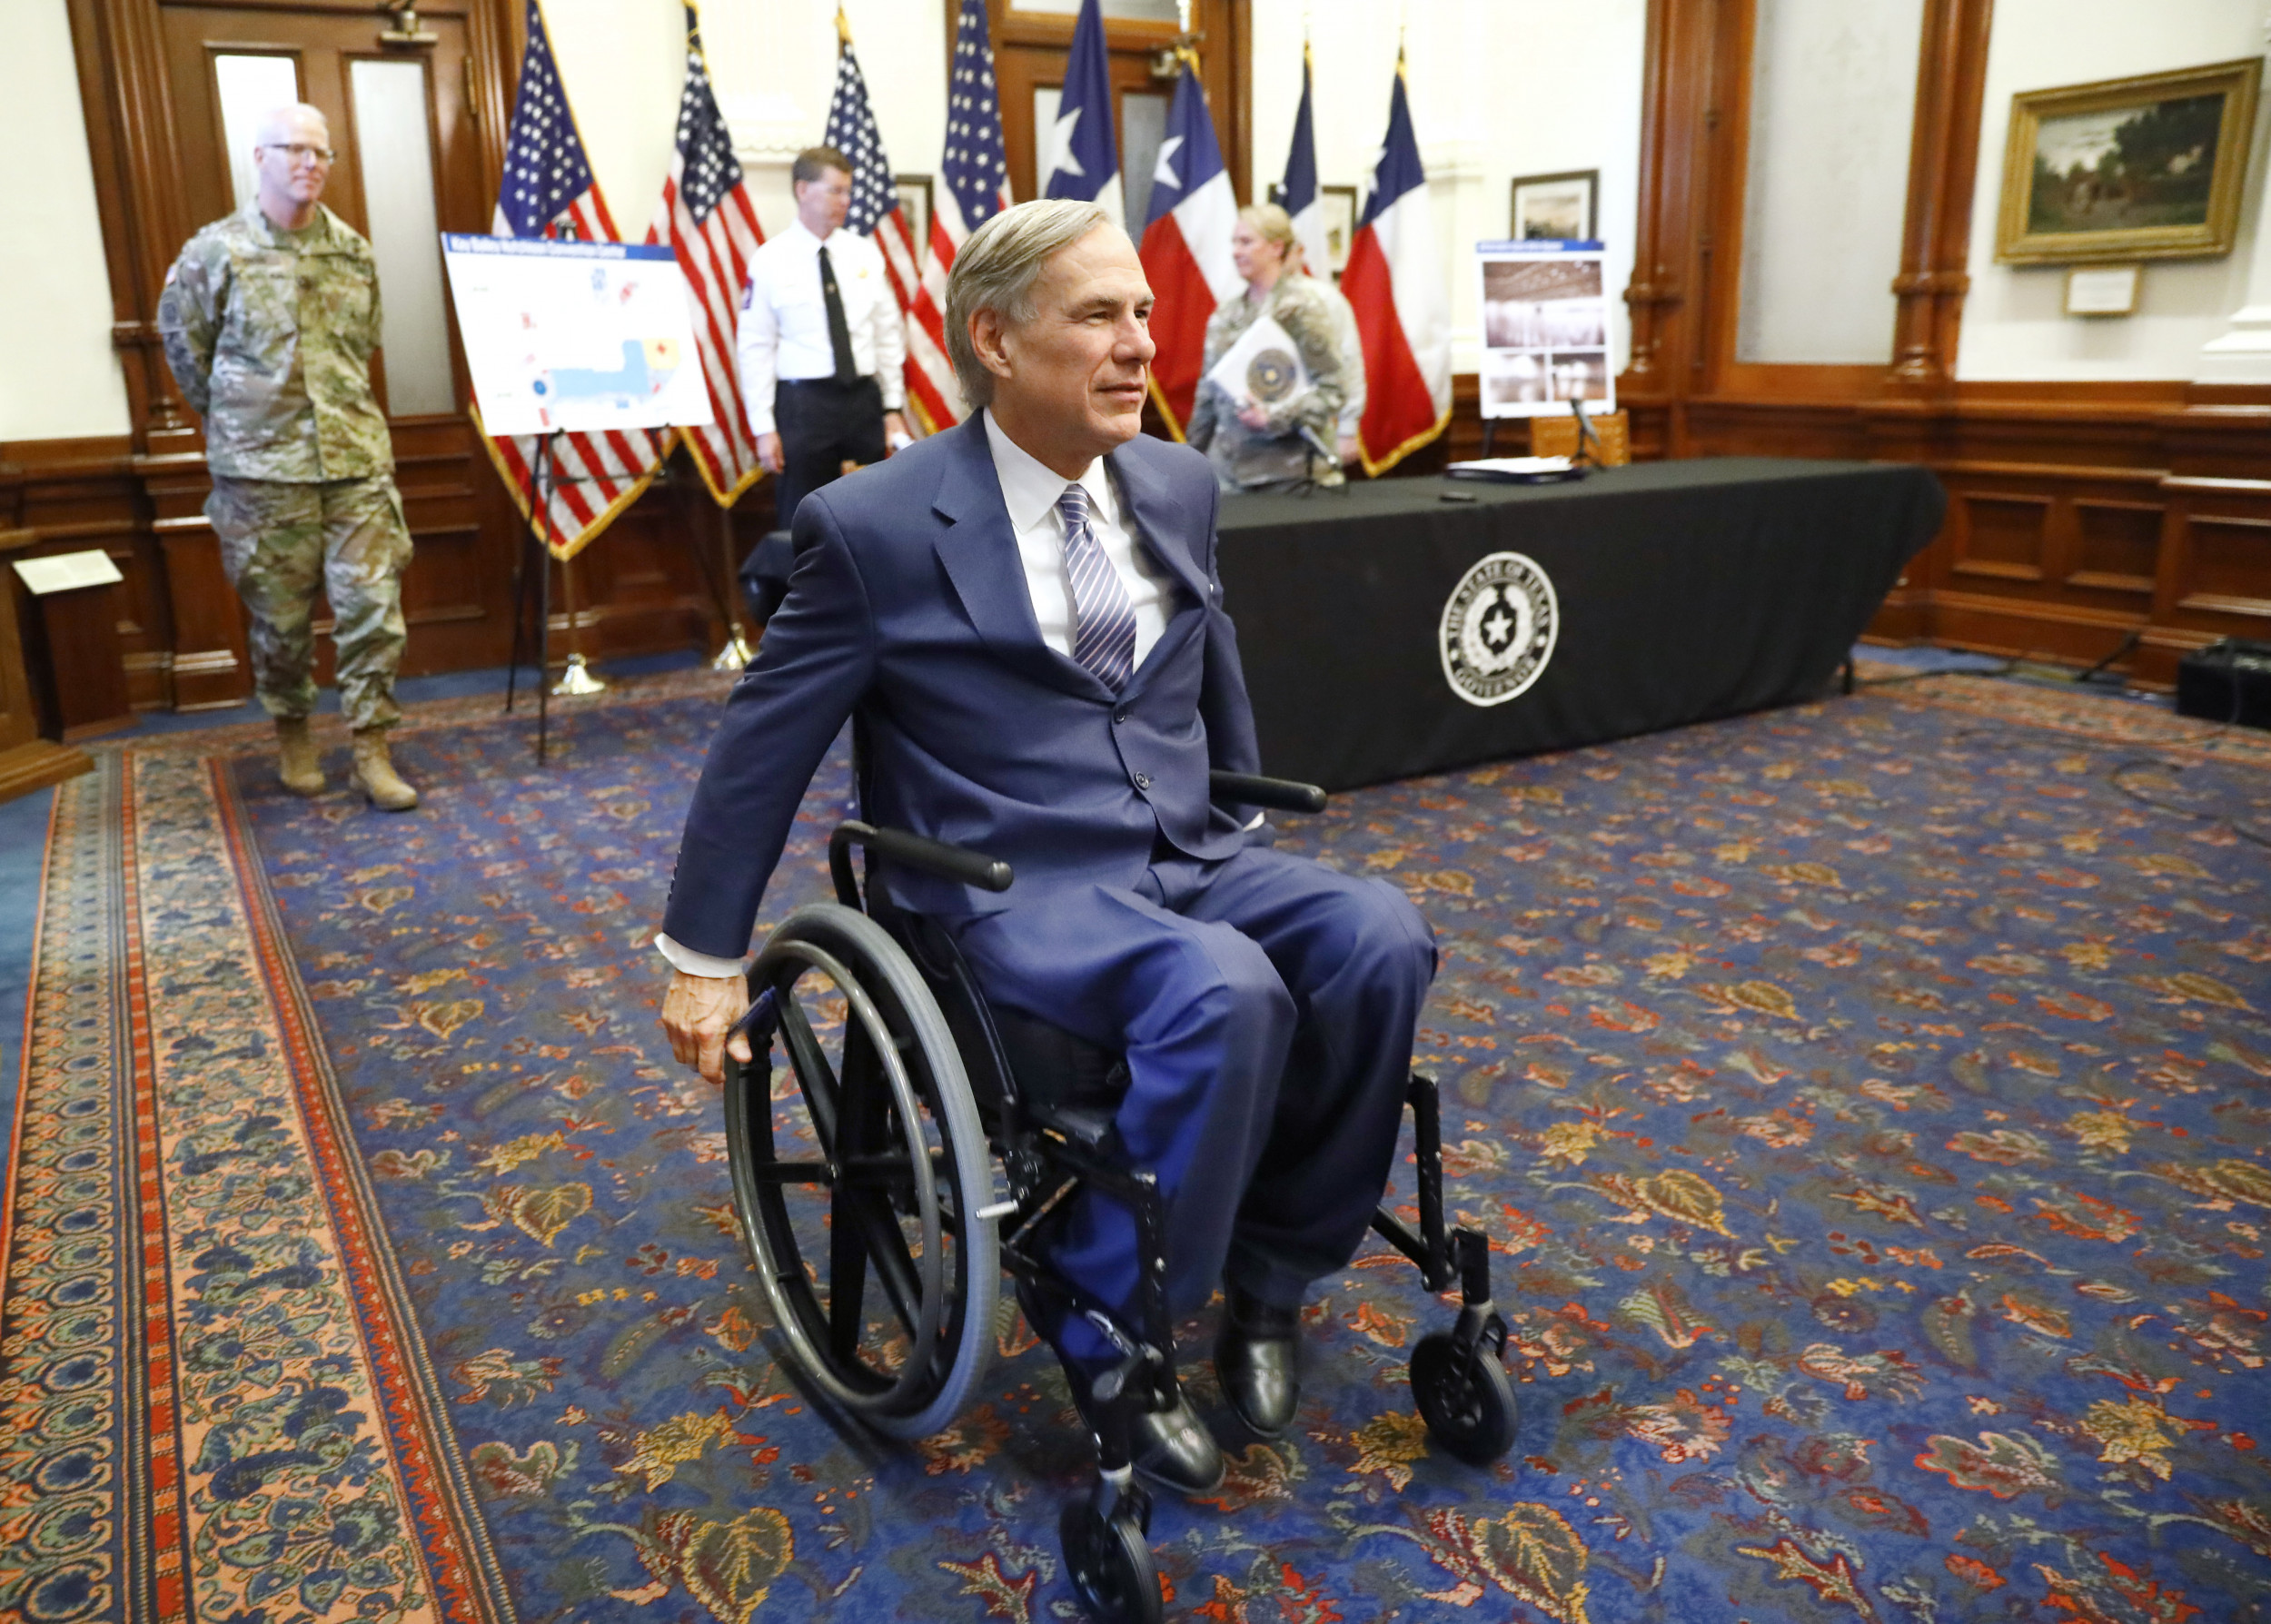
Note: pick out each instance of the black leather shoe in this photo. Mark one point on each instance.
(1253, 1355)
(1174, 1450)
(1170, 1449)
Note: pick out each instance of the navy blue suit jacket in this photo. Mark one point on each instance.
(909, 606)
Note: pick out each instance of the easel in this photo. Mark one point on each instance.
(577, 678)
(1588, 437)
(509, 270)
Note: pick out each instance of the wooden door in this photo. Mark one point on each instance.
(1033, 41)
(408, 166)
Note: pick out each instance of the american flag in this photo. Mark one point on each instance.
(976, 173)
(875, 202)
(706, 218)
(549, 191)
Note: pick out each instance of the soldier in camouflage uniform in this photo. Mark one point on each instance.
(1288, 442)
(269, 318)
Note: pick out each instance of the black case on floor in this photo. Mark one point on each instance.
(2228, 682)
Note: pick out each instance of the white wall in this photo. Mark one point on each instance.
(773, 65)
(1498, 88)
(59, 377)
(1832, 100)
(2013, 326)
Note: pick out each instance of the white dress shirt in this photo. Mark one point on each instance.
(1029, 489)
(783, 330)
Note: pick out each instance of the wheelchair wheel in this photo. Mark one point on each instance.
(858, 1173)
(1108, 1559)
(1465, 1399)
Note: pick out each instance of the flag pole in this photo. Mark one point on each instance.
(577, 678)
(737, 652)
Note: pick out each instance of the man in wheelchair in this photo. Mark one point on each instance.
(1024, 615)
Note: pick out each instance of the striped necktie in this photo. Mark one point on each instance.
(1104, 636)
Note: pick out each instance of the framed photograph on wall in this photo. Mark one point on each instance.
(1556, 207)
(2128, 169)
(1339, 206)
(915, 203)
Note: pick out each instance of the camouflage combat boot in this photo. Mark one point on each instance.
(296, 762)
(376, 776)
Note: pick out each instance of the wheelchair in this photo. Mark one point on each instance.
(917, 1140)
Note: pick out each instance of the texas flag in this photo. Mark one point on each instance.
(1084, 157)
(1186, 249)
(1298, 193)
(1395, 285)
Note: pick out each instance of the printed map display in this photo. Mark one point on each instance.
(575, 336)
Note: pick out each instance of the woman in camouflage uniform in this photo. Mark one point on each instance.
(1275, 445)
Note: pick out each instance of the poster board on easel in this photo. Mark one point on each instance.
(576, 337)
(1545, 328)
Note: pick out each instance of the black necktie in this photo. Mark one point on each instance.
(839, 329)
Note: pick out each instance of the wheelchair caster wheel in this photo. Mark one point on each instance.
(1109, 1561)
(1465, 1399)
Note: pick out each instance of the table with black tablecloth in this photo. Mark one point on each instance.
(1684, 590)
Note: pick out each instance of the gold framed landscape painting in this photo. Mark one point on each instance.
(2128, 169)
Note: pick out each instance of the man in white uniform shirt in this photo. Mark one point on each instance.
(821, 346)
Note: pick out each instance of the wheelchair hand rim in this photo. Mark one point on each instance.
(908, 1390)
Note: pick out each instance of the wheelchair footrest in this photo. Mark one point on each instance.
(1085, 1125)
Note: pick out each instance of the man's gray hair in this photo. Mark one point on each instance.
(274, 129)
(996, 270)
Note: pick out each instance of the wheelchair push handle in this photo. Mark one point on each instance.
(1279, 794)
(958, 863)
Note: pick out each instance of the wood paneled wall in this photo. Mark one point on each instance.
(651, 584)
(2080, 514)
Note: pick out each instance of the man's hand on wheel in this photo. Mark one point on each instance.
(698, 1011)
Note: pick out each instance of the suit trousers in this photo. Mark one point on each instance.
(1267, 1007)
(823, 424)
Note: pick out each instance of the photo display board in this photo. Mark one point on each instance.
(1545, 328)
(573, 336)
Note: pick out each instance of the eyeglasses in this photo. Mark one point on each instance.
(301, 153)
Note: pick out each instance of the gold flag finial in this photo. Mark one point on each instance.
(843, 27)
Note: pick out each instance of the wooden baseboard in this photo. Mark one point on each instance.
(38, 764)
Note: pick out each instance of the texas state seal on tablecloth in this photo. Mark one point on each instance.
(1498, 629)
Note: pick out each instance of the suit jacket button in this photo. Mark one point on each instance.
(1119, 716)
(1142, 780)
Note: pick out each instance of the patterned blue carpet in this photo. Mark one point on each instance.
(1867, 1103)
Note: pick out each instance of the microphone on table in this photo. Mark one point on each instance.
(1588, 437)
(1315, 442)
